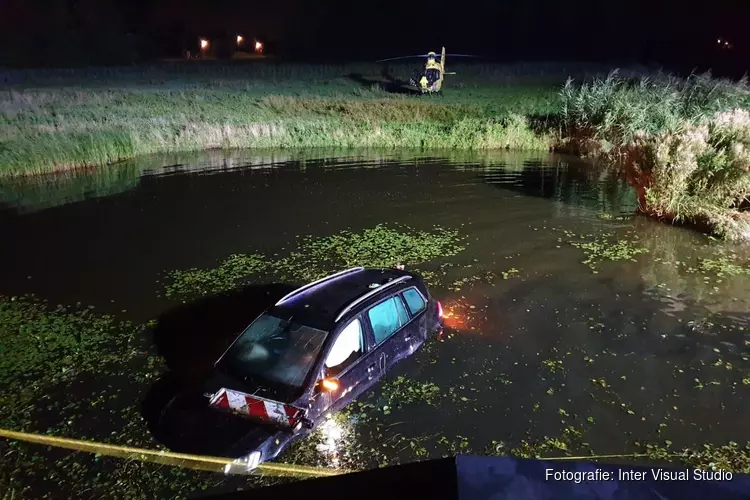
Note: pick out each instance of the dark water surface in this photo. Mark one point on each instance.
(647, 349)
(114, 246)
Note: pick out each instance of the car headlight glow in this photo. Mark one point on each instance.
(249, 462)
(252, 460)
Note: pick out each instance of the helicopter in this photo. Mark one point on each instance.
(431, 79)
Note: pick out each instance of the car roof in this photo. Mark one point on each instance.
(319, 305)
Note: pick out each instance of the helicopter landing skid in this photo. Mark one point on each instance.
(418, 88)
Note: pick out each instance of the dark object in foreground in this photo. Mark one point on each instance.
(309, 355)
(485, 478)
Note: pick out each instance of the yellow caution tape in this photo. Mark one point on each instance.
(208, 463)
(197, 462)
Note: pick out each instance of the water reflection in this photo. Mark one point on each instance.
(334, 434)
(463, 318)
(566, 179)
(27, 195)
(582, 186)
(675, 272)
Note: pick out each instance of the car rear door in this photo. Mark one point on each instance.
(418, 307)
(394, 334)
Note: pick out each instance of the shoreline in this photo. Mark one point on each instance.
(489, 136)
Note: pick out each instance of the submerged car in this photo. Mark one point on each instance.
(314, 351)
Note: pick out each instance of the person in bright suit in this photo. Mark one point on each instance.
(431, 72)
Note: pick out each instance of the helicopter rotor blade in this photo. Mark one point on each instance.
(402, 57)
(437, 56)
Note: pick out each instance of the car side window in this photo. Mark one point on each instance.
(414, 301)
(347, 349)
(387, 317)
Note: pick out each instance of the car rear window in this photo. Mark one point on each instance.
(414, 300)
(387, 317)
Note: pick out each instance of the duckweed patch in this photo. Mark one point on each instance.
(44, 346)
(313, 258)
(724, 265)
(380, 246)
(730, 457)
(83, 475)
(487, 278)
(510, 273)
(63, 371)
(569, 440)
(443, 276)
(402, 391)
(605, 247)
(196, 282)
(552, 366)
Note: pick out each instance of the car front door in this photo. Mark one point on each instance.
(348, 362)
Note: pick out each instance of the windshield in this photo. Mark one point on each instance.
(275, 351)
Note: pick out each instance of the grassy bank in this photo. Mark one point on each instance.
(58, 120)
(59, 128)
(682, 143)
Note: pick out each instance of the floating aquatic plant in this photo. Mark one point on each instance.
(603, 247)
(195, 282)
(314, 257)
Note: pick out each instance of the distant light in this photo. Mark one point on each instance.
(204, 43)
(724, 43)
(239, 39)
(258, 46)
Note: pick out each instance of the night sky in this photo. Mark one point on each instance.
(509, 30)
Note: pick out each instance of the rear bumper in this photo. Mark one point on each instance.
(438, 324)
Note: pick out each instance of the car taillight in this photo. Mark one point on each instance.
(440, 309)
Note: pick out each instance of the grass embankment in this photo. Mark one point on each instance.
(53, 122)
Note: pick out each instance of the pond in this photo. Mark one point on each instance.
(574, 326)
